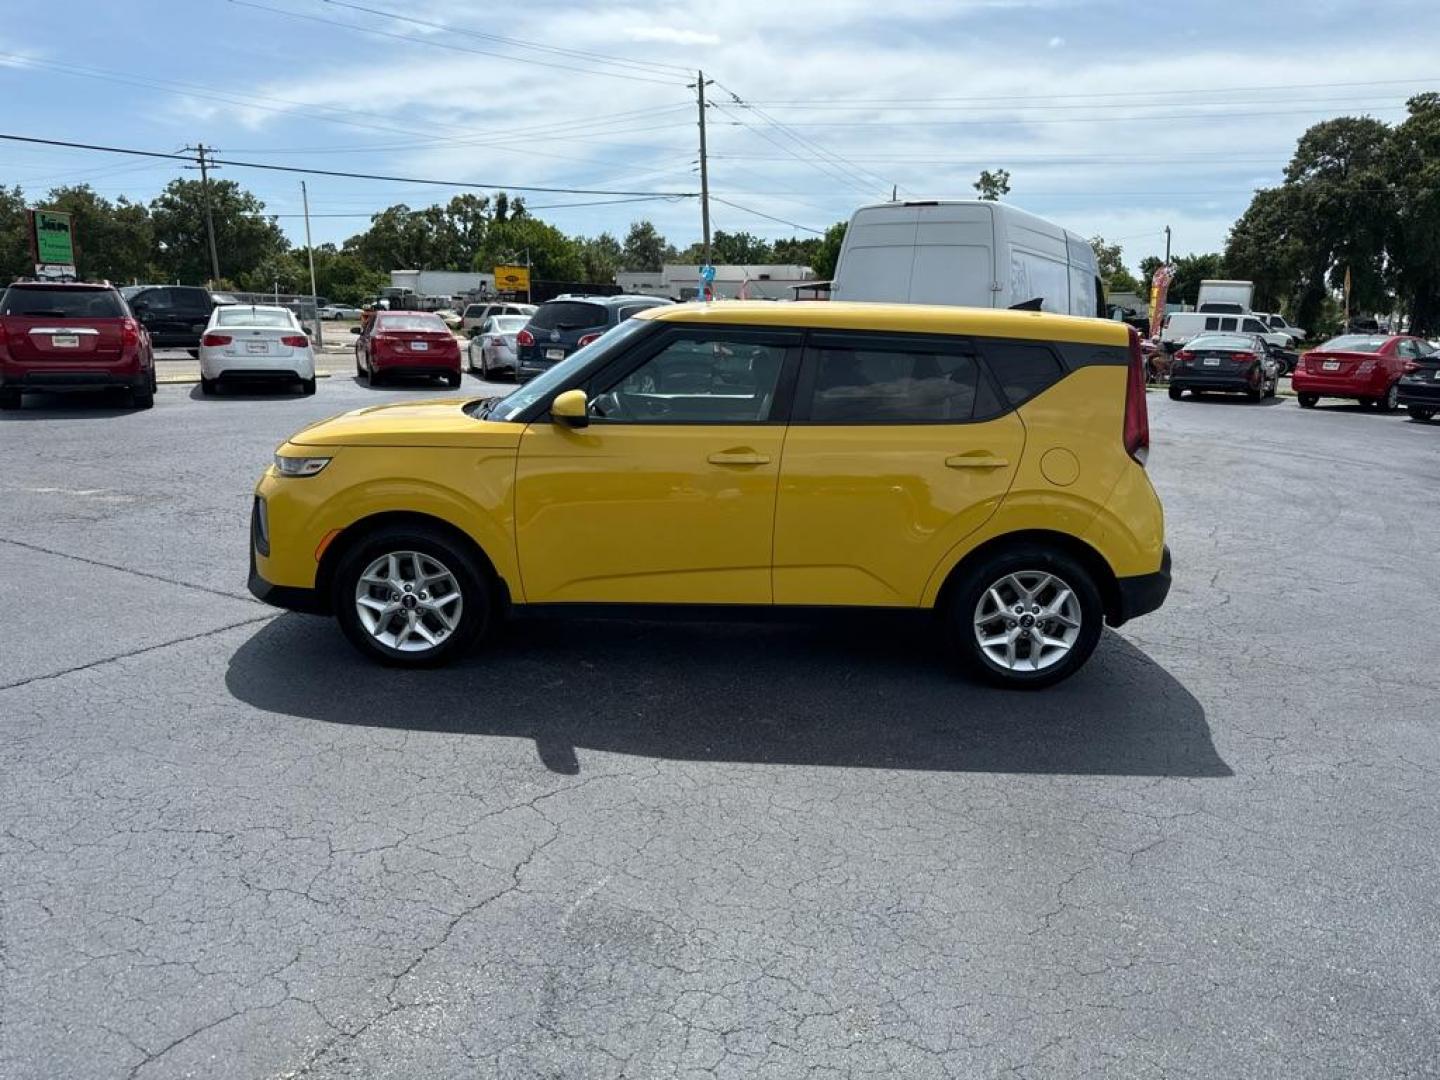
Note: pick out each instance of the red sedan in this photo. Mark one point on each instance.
(1362, 367)
(407, 343)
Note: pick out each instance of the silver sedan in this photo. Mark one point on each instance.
(492, 350)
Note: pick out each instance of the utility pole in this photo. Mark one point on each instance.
(704, 170)
(310, 253)
(205, 166)
(1167, 245)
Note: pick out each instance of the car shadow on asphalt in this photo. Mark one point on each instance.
(848, 693)
(96, 405)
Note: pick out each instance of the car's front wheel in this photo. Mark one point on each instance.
(1028, 618)
(412, 597)
(1391, 401)
(1421, 412)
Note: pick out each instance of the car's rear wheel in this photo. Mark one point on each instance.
(307, 386)
(143, 397)
(411, 597)
(1421, 412)
(1029, 617)
(9, 399)
(372, 376)
(453, 380)
(1309, 401)
(1175, 393)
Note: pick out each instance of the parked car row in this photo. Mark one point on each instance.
(1384, 371)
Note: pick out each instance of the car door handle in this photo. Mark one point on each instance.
(738, 457)
(975, 461)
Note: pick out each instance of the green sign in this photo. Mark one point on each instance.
(54, 240)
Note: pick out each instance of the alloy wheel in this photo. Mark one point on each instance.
(1027, 621)
(409, 601)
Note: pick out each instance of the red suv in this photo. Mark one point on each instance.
(69, 336)
(406, 343)
(1366, 367)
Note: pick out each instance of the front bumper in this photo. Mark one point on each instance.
(1142, 594)
(1426, 394)
(289, 597)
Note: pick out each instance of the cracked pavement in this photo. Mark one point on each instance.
(231, 848)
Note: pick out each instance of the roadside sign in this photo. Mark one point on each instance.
(52, 240)
(512, 278)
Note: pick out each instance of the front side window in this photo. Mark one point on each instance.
(868, 385)
(709, 378)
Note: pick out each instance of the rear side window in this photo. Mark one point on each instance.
(1212, 323)
(568, 315)
(45, 303)
(1023, 370)
(1228, 324)
(874, 385)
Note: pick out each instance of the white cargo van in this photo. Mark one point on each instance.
(969, 253)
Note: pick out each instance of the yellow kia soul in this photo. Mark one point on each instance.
(984, 464)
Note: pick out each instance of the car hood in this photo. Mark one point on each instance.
(438, 422)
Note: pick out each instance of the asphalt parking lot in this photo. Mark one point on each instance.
(231, 848)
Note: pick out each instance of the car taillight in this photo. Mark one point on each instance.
(587, 339)
(216, 339)
(1365, 368)
(1244, 357)
(1184, 354)
(129, 333)
(295, 341)
(524, 338)
(1137, 416)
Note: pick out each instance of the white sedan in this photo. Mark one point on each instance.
(493, 348)
(339, 311)
(253, 343)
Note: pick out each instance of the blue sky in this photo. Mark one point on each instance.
(1112, 118)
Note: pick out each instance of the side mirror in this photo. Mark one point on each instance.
(355, 329)
(571, 409)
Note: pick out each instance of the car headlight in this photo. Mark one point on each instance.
(299, 466)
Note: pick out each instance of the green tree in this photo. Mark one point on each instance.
(1265, 248)
(827, 253)
(645, 249)
(15, 258)
(797, 252)
(1413, 163)
(992, 185)
(244, 236)
(1112, 266)
(343, 277)
(602, 258)
(553, 255)
(1190, 270)
(736, 249)
(114, 241)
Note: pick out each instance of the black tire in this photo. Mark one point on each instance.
(476, 593)
(207, 386)
(307, 386)
(1423, 413)
(453, 381)
(1257, 395)
(1175, 393)
(373, 377)
(1309, 401)
(142, 397)
(964, 597)
(9, 399)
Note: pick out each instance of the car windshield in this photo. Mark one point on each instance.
(62, 303)
(248, 316)
(1355, 343)
(1220, 341)
(568, 315)
(421, 323)
(511, 406)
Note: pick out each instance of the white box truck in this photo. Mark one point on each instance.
(966, 252)
(1225, 297)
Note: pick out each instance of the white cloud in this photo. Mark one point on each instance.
(673, 35)
(1056, 42)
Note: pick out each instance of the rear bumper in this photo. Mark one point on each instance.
(1143, 593)
(1303, 383)
(131, 378)
(1188, 381)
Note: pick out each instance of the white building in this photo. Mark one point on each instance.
(771, 281)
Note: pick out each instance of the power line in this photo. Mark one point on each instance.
(829, 171)
(341, 173)
(1067, 120)
(528, 208)
(1128, 94)
(654, 65)
(450, 45)
(768, 217)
